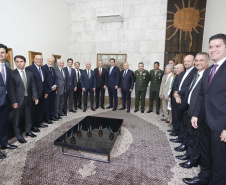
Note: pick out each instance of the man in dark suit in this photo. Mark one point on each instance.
(49, 108)
(178, 69)
(71, 85)
(185, 79)
(126, 86)
(22, 89)
(101, 83)
(88, 83)
(37, 111)
(78, 92)
(212, 98)
(5, 75)
(199, 140)
(61, 80)
(113, 83)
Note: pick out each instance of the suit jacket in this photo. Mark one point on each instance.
(50, 78)
(164, 88)
(101, 81)
(4, 87)
(213, 98)
(87, 83)
(113, 78)
(70, 80)
(186, 83)
(141, 81)
(17, 90)
(76, 75)
(126, 82)
(155, 79)
(60, 81)
(40, 86)
(194, 98)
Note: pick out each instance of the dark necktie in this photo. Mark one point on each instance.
(78, 76)
(62, 73)
(212, 74)
(51, 71)
(194, 81)
(25, 83)
(40, 72)
(124, 74)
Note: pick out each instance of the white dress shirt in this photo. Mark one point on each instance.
(200, 76)
(21, 74)
(185, 75)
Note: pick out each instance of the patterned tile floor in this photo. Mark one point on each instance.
(11, 168)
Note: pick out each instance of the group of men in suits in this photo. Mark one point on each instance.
(198, 113)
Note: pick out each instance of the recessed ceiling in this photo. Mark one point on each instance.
(77, 1)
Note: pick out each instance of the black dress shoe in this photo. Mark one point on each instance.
(59, 117)
(163, 119)
(109, 107)
(173, 134)
(183, 157)
(149, 111)
(2, 156)
(93, 109)
(54, 119)
(142, 111)
(80, 107)
(72, 111)
(11, 147)
(114, 109)
(128, 111)
(188, 164)
(135, 110)
(194, 181)
(22, 140)
(48, 122)
(96, 107)
(102, 107)
(157, 112)
(30, 134)
(35, 129)
(170, 131)
(122, 108)
(76, 108)
(181, 148)
(63, 114)
(42, 126)
(177, 140)
(84, 110)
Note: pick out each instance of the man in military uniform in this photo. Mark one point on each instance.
(155, 77)
(141, 80)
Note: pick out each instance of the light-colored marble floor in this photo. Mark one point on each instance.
(11, 168)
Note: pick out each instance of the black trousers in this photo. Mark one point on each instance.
(183, 126)
(175, 116)
(205, 143)
(78, 96)
(100, 92)
(113, 93)
(218, 149)
(4, 116)
(69, 93)
(50, 106)
(194, 149)
(37, 111)
(25, 108)
(85, 94)
(126, 96)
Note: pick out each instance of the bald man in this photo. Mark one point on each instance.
(39, 75)
(185, 79)
(88, 84)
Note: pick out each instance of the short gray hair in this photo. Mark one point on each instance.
(170, 66)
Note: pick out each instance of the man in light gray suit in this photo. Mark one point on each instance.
(61, 88)
(164, 89)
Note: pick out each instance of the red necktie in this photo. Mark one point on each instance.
(100, 72)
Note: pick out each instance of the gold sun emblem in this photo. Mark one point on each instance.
(185, 20)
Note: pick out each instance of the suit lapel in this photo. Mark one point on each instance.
(7, 75)
(219, 71)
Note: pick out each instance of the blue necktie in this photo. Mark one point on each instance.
(124, 74)
(70, 72)
(40, 72)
